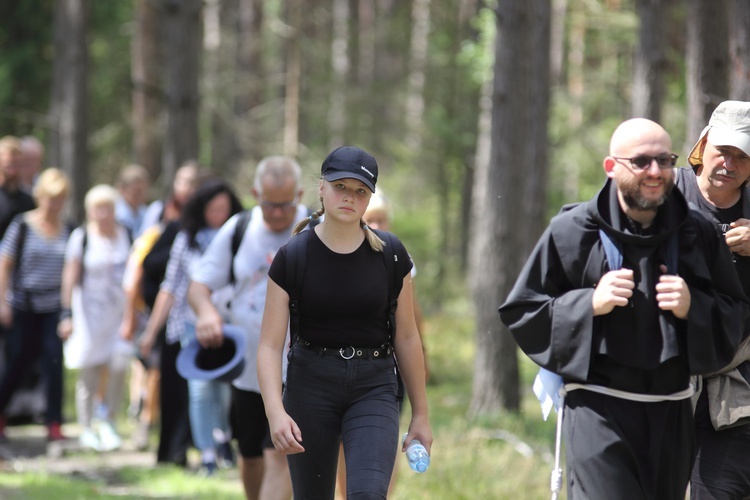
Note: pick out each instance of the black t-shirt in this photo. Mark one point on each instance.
(12, 204)
(687, 181)
(344, 297)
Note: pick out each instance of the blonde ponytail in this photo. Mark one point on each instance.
(304, 222)
(373, 239)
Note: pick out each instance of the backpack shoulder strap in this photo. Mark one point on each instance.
(390, 259)
(239, 232)
(296, 258)
(23, 229)
(612, 250)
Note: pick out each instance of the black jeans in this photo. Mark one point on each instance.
(333, 400)
(32, 336)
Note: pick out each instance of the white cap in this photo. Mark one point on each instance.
(729, 126)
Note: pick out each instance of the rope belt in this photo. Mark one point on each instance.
(557, 473)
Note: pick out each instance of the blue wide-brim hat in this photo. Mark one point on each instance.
(225, 363)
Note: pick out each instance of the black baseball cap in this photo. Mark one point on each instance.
(349, 162)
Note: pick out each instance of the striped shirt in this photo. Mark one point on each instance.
(38, 272)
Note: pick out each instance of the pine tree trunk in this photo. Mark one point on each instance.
(183, 44)
(650, 60)
(707, 62)
(501, 184)
(69, 103)
(148, 94)
(739, 50)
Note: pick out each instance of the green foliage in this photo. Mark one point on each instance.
(25, 67)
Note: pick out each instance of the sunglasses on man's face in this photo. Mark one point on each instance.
(642, 162)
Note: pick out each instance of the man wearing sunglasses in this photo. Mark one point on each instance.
(625, 297)
(717, 185)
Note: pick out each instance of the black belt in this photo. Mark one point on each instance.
(350, 352)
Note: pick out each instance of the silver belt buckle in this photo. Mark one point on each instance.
(341, 352)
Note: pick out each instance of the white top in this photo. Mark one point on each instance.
(98, 301)
(254, 256)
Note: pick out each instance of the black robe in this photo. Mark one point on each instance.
(618, 448)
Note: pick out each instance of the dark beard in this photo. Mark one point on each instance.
(631, 195)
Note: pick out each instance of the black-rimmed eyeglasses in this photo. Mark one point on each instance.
(642, 162)
(269, 205)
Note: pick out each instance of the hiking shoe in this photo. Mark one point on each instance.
(108, 438)
(226, 454)
(207, 469)
(54, 432)
(90, 440)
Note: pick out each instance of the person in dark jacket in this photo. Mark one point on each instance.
(717, 185)
(626, 331)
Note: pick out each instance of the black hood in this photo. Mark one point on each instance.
(605, 210)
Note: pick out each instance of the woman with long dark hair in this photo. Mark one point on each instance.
(205, 212)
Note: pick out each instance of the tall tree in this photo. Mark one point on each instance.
(337, 108)
(183, 45)
(420, 31)
(707, 61)
(499, 190)
(650, 59)
(739, 50)
(69, 103)
(148, 94)
(292, 79)
(248, 77)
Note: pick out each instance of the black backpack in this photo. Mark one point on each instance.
(296, 259)
(155, 263)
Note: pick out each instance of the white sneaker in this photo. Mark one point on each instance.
(89, 439)
(108, 437)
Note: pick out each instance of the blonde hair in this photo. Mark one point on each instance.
(372, 239)
(100, 195)
(10, 143)
(52, 183)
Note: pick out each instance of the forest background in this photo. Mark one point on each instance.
(485, 117)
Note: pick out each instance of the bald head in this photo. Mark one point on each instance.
(638, 133)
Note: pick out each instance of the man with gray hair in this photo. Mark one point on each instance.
(277, 189)
(717, 185)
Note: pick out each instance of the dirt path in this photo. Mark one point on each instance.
(27, 450)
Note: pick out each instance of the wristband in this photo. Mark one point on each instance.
(65, 314)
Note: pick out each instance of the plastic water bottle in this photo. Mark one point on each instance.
(417, 456)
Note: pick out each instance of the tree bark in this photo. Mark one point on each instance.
(148, 94)
(420, 16)
(739, 50)
(501, 185)
(707, 62)
(249, 79)
(337, 108)
(69, 103)
(292, 80)
(183, 44)
(650, 60)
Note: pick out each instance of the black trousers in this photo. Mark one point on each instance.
(174, 435)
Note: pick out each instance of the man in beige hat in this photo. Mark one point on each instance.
(717, 186)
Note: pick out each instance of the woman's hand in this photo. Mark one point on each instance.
(418, 429)
(146, 344)
(285, 434)
(65, 328)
